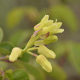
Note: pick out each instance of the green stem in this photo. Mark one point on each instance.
(33, 54)
(31, 42)
(31, 49)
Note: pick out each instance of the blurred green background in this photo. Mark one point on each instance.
(17, 19)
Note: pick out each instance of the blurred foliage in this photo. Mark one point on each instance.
(57, 70)
(15, 16)
(19, 37)
(17, 19)
(1, 34)
(5, 48)
(65, 14)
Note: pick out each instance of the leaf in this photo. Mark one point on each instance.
(0, 77)
(14, 17)
(39, 75)
(64, 13)
(19, 37)
(59, 49)
(9, 74)
(57, 73)
(74, 55)
(3, 65)
(1, 34)
(20, 75)
(5, 47)
(25, 57)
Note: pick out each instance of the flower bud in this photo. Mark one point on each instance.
(44, 23)
(50, 39)
(46, 65)
(16, 52)
(45, 18)
(38, 42)
(54, 28)
(46, 52)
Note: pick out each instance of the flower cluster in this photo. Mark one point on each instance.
(44, 34)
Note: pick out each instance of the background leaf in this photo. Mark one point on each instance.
(38, 75)
(59, 49)
(1, 34)
(14, 17)
(25, 57)
(64, 13)
(9, 74)
(57, 73)
(19, 37)
(20, 75)
(74, 55)
(5, 47)
(3, 65)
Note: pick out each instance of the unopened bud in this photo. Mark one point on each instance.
(46, 52)
(45, 18)
(16, 52)
(46, 65)
(54, 28)
(50, 39)
(44, 23)
(38, 42)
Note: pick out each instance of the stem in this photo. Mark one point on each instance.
(31, 49)
(33, 54)
(4, 57)
(31, 41)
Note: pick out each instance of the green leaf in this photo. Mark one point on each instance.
(20, 75)
(1, 34)
(14, 17)
(5, 47)
(57, 73)
(19, 37)
(3, 65)
(39, 75)
(74, 55)
(59, 49)
(0, 77)
(64, 13)
(25, 57)
(9, 74)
